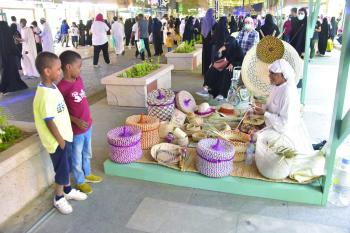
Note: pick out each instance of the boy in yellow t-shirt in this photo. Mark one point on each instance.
(53, 124)
(169, 41)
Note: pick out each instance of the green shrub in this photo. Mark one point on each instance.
(139, 70)
(9, 134)
(199, 39)
(186, 47)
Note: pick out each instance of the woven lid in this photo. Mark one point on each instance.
(185, 102)
(143, 122)
(212, 148)
(166, 153)
(255, 72)
(161, 97)
(270, 49)
(124, 136)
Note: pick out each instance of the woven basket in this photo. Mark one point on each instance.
(124, 144)
(149, 126)
(161, 104)
(214, 157)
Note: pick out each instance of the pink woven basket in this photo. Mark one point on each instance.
(124, 144)
(215, 157)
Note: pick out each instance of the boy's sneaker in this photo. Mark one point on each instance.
(75, 195)
(62, 205)
(203, 93)
(93, 178)
(85, 188)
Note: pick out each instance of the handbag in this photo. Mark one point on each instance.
(329, 45)
(140, 45)
(220, 64)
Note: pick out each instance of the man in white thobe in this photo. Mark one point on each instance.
(46, 36)
(282, 110)
(28, 50)
(118, 35)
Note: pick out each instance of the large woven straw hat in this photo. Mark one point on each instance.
(255, 72)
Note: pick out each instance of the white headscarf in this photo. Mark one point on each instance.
(282, 66)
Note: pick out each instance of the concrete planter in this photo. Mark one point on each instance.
(198, 46)
(132, 92)
(185, 61)
(25, 172)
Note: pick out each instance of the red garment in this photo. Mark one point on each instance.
(99, 17)
(287, 27)
(76, 101)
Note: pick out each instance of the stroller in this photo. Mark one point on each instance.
(58, 37)
(238, 93)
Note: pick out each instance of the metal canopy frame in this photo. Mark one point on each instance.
(314, 9)
(340, 127)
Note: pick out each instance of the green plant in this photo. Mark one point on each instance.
(8, 133)
(186, 47)
(198, 39)
(139, 70)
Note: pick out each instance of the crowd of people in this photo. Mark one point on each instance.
(223, 40)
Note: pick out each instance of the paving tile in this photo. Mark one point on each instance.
(262, 224)
(162, 216)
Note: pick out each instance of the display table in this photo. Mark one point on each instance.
(244, 180)
(185, 61)
(132, 92)
(304, 193)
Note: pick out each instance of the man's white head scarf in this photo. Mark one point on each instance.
(282, 66)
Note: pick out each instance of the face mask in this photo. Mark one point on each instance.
(247, 27)
(301, 17)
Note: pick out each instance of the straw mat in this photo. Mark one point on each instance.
(240, 169)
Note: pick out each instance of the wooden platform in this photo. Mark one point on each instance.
(303, 193)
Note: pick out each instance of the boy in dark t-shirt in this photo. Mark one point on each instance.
(72, 89)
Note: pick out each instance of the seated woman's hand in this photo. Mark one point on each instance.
(258, 110)
(230, 68)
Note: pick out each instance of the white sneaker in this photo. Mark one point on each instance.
(76, 195)
(97, 66)
(203, 93)
(219, 97)
(62, 205)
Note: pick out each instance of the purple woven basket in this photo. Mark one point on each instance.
(161, 104)
(215, 157)
(124, 144)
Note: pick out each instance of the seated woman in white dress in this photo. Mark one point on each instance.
(282, 110)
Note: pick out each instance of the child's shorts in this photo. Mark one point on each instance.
(74, 38)
(61, 165)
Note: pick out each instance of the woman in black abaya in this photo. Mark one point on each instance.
(299, 33)
(220, 35)
(269, 28)
(323, 37)
(16, 38)
(218, 82)
(10, 78)
(208, 23)
(82, 29)
(157, 37)
(189, 30)
(233, 25)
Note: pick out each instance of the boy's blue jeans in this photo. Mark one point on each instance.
(81, 155)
